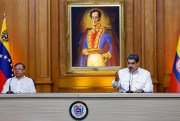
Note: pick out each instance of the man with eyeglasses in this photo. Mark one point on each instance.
(19, 83)
(133, 78)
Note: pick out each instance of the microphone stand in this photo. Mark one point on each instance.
(130, 91)
(10, 92)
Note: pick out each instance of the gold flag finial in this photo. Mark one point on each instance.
(4, 16)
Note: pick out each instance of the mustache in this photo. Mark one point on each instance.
(130, 67)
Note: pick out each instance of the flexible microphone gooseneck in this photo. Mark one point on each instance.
(10, 92)
(130, 91)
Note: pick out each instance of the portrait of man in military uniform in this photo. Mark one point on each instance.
(95, 36)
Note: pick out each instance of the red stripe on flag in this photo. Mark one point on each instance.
(2, 80)
(174, 85)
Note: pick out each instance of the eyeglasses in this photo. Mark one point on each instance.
(18, 69)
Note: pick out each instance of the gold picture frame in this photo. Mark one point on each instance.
(104, 53)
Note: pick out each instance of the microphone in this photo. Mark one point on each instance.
(129, 91)
(10, 92)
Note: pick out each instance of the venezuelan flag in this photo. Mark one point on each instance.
(174, 85)
(6, 67)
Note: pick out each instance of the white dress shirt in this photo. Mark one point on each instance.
(140, 79)
(22, 85)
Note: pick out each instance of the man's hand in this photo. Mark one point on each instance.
(85, 52)
(107, 55)
(116, 76)
(139, 91)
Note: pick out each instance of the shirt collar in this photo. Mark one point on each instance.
(20, 78)
(137, 71)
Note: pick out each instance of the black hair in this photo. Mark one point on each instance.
(19, 64)
(99, 13)
(134, 57)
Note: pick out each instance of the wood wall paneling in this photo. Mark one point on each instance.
(32, 39)
(55, 47)
(149, 38)
(43, 60)
(160, 54)
(137, 37)
(37, 34)
(129, 27)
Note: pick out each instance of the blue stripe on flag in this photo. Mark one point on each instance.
(5, 61)
(176, 73)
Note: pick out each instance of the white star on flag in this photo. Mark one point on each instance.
(5, 57)
(9, 60)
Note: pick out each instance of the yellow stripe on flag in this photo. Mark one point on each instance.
(178, 47)
(4, 31)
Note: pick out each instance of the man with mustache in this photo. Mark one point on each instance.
(133, 78)
(19, 83)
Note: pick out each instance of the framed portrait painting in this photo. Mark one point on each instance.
(95, 36)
